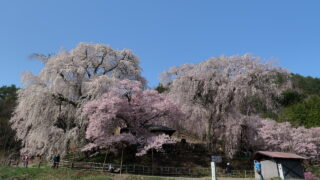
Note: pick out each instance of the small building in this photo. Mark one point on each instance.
(154, 129)
(158, 129)
(279, 164)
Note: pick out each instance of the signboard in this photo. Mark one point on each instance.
(216, 159)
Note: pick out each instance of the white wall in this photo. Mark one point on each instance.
(269, 169)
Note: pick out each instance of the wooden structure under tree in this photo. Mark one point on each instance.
(155, 129)
(279, 164)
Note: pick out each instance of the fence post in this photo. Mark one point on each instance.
(121, 160)
(245, 174)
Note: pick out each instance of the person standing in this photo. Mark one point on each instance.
(228, 169)
(57, 161)
(25, 160)
(52, 159)
(257, 165)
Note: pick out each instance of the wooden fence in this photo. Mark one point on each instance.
(156, 170)
(140, 169)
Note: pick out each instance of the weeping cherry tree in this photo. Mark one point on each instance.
(48, 118)
(219, 94)
(128, 106)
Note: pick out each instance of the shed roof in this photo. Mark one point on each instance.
(157, 128)
(280, 155)
(153, 128)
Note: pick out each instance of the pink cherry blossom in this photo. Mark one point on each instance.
(127, 105)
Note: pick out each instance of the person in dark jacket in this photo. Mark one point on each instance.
(56, 161)
(228, 169)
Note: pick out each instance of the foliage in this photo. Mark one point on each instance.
(8, 98)
(48, 115)
(308, 85)
(299, 104)
(127, 105)
(290, 97)
(161, 89)
(306, 113)
(315, 170)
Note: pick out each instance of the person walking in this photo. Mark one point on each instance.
(25, 160)
(257, 165)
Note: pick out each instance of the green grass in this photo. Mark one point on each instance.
(47, 173)
(137, 177)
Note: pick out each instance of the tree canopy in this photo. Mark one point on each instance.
(48, 115)
(226, 99)
(128, 106)
(306, 113)
(81, 96)
(8, 97)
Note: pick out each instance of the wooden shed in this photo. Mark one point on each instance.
(279, 164)
(155, 129)
(158, 129)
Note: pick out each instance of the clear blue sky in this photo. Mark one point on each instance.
(162, 33)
